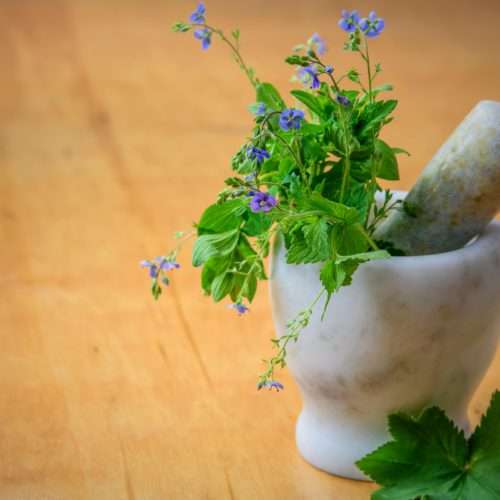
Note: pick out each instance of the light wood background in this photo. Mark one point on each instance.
(115, 132)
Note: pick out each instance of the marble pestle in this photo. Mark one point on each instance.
(458, 192)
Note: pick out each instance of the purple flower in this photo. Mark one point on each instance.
(291, 118)
(205, 35)
(262, 202)
(328, 69)
(257, 154)
(342, 99)
(271, 384)
(160, 264)
(239, 308)
(372, 25)
(349, 20)
(259, 109)
(318, 43)
(198, 16)
(309, 76)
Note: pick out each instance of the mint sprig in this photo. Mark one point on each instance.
(430, 458)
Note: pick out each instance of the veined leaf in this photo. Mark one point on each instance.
(221, 217)
(336, 211)
(430, 457)
(268, 94)
(386, 164)
(214, 245)
(309, 100)
(308, 243)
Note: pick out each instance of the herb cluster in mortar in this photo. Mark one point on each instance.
(308, 172)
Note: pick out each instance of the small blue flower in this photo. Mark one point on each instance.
(342, 99)
(328, 69)
(349, 20)
(317, 43)
(239, 308)
(309, 76)
(257, 154)
(291, 118)
(205, 35)
(153, 268)
(271, 384)
(250, 177)
(161, 264)
(372, 25)
(260, 109)
(198, 16)
(262, 202)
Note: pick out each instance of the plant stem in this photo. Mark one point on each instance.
(239, 59)
(370, 242)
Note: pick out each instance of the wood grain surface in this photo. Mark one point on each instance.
(115, 132)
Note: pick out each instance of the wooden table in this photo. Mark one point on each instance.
(115, 132)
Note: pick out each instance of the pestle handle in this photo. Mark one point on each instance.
(458, 192)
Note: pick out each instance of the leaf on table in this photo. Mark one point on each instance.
(430, 458)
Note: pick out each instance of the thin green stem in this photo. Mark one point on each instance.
(370, 242)
(236, 51)
(293, 328)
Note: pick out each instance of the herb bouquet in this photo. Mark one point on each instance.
(307, 177)
(311, 179)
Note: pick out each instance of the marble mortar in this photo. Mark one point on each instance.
(409, 332)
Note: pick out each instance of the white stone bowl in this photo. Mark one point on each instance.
(409, 332)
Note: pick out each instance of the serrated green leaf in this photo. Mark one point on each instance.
(309, 242)
(332, 276)
(257, 223)
(336, 211)
(430, 457)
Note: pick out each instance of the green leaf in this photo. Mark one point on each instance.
(332, 276)
(386, 87)
(268, 94)
(221, 286)
(250, 287)
(181, 27)
(308, 243)
(221, 217)
(214, 245)
(335, 211)
(353, 75)
(309, 100)
(364, 257)
(349, 239)
(374, 115)
(297, 60)
(386, 164)
(429, 456)
(398, 151)
(257, 223)
(212, 268)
